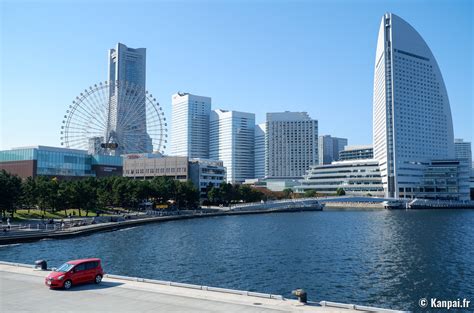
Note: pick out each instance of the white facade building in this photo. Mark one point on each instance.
(356, 177)
(128, 66)
(232, 136)
(260, 131)
(190, 125)
(329, 148)
(412, 122)
(291, 144)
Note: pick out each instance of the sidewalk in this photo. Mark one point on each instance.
(22, 290)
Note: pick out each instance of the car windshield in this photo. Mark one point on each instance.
(64, 268)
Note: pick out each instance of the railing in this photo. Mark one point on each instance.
(10, 229)
(278, 204)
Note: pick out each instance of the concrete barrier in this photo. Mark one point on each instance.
(357, 307)
(17, 264)
(184, 285)
(197, 287)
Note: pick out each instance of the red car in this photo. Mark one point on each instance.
(75, 272)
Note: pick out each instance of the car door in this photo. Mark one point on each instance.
(90, 269)
(79, 275)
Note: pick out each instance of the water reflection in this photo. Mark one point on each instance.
(380, 258)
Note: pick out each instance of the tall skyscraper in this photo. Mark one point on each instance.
(462, 150)
(128, 66)
(411, 114)
(329, 148)
(291, 144)
(232, 136)
(260, 131)
(190, 125)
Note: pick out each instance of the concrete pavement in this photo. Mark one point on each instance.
(22, 290)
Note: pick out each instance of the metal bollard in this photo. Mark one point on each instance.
(301, 294)
(41, 264)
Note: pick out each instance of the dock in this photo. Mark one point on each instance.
(22, 289)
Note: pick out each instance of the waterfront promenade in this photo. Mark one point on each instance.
(23, 290)
(30, 234)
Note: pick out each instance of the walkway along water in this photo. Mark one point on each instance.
(31, 234)
(120, 294)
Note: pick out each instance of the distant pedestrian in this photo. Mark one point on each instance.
(8, 224)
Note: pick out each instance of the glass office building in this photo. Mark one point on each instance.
(57, 162)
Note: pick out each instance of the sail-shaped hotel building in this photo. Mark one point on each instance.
(412, 124)
(413, 140)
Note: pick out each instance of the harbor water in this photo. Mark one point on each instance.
(369, 257)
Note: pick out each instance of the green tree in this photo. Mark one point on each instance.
(310, 193)
(89, 194)
(214, 195)
(188, 194)
(288, 192)
(10, 192)
(29, 193)
(47, 195)
(249, 194)
(162, 189)
(105, 192)
(227, 193)
(340, 192)
(120, 192)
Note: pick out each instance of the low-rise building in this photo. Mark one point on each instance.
(203, 173)
(356, 177)
(356, 153)
(149, 165)
(442, 180)
(58, 162)
(206, 173)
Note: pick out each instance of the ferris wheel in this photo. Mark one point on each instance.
(114, 118)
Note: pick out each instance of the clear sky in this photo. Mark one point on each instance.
(254, 56)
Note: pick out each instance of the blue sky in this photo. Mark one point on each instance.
(254, 56)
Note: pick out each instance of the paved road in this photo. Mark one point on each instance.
(23, 290)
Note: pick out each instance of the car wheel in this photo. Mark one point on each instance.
(98, 279)
(67, 284)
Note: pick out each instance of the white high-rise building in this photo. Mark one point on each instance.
(128, 66)
(291, 144)
(232, 136)
(462, 150)
(329, 148)
(190, 125)
(260, 131)
(411, 114)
